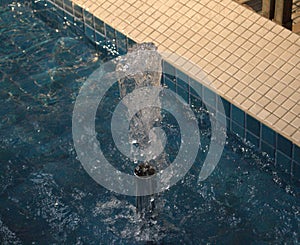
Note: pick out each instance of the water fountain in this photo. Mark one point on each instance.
(143, 57)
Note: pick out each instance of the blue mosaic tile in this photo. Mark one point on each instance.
(99, 26)
(68, 6)
(228, 124)
(99, 38)
(88, 18)
(121, 43)
(253, 125)
(182, 79)
(68, 18)
(296, 171)
(110, 33)
(237, 129)
(296, 156)
(268, 135)
(238, 116)
(284, 145)
(78, 12)
(222, 118)
(253, 139)
(183, 94)
(226, 105)
(196, 88)
(59, 3)
(78, 24)
(170, 84)
(89, 32)
(181, 75)
(182, 84)
(265, 147)
(283, 162)
(209, 98)
(168, 70)
(130, 42)
(195, 102)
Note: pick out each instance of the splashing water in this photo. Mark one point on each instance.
(142, 67)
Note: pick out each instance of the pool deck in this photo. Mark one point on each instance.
(249, 60)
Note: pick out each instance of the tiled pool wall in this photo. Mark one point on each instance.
(286, 155)
(82, 21)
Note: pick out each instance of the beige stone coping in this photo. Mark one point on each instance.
(249, 60)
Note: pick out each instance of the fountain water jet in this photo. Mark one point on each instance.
(142, 67)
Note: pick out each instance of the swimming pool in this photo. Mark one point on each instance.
(47, 197)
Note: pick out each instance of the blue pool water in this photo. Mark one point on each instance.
(46, 197)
